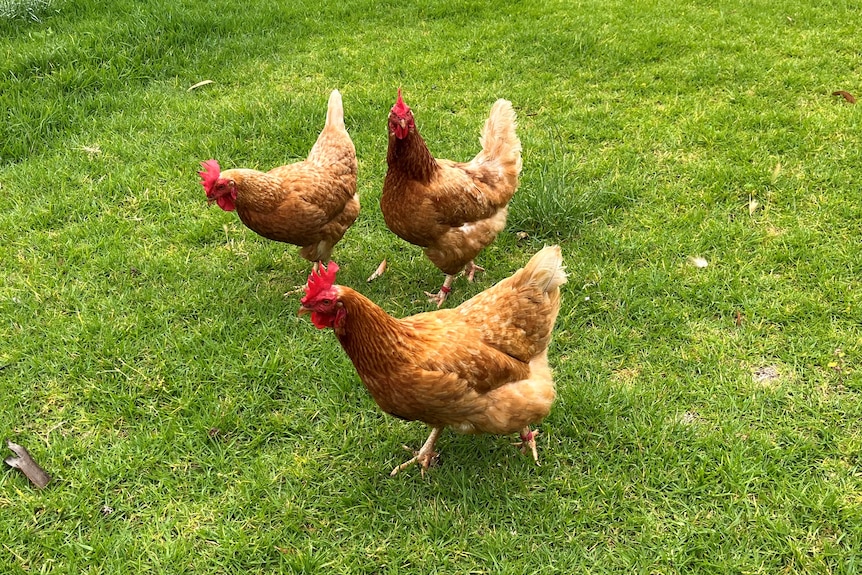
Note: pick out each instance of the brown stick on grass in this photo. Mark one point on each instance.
(25, 463)
(846, 95)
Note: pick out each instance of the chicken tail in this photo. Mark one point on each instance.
(517, 315)
(335, 111)
(334, 150)
(499, 141)
(546, 269)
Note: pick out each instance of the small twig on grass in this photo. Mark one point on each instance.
(25, 463)
(846, 95)
(199, 84)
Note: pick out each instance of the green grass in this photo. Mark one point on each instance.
(24, 9)
(708, 418)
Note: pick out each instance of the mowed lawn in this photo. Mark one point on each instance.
(691, 160)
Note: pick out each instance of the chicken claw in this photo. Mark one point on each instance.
(470, 270)
(437, 298)
(441, 296)
(528, 440)
(425, 457)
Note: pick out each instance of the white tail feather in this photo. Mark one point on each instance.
(335, 111)
(546, 268)
(499, 140)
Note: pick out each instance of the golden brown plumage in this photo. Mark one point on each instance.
(450, 209)
(309, 204)
(481, 367)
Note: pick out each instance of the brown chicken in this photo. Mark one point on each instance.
(481, 367)
(309, 204)
(450, 209)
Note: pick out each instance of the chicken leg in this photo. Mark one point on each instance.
(315, 268)
(424, 457)
(528, 440)
(441, 296)
(470, 270)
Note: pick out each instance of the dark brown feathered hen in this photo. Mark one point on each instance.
(309, 204)
(479, 368)
(451, 209)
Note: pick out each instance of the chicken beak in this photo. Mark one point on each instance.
(403, 123)
(303, 310)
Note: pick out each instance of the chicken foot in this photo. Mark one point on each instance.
(470, 270)
(424, 457)
(528, 440)
(441, 296)
(315, 268)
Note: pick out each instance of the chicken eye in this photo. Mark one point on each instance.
(326, 302)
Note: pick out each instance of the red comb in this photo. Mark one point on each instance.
(210, 175)
(320, 280)
(400, 108)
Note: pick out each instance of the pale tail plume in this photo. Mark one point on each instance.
(335, 111)
(546, 268)
(334, 139)
(499, 140)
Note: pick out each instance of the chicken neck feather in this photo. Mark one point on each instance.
(410, 158)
